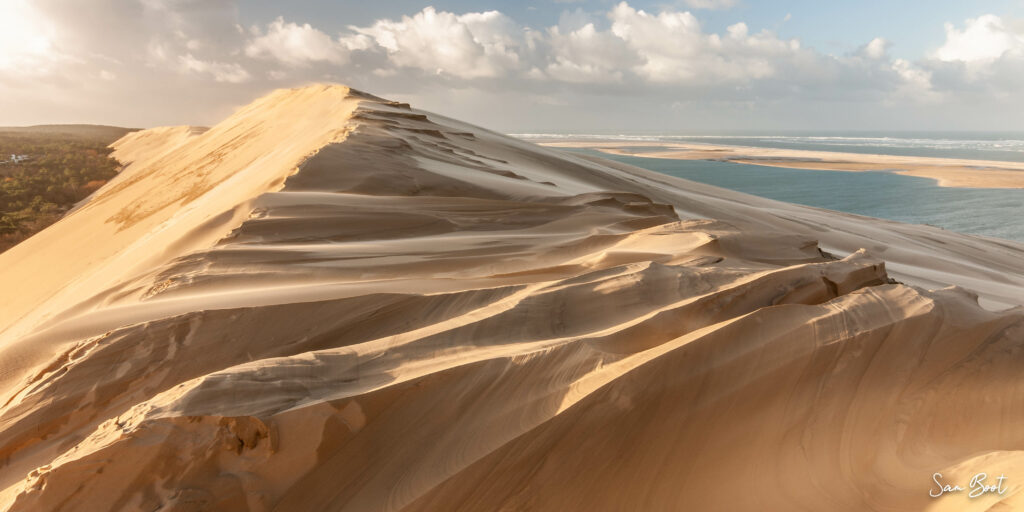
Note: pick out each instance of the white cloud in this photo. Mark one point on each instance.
(876, 48)
(472, 45)
(675, 49)
(644, 57)
(915, 83)
(984, 59)
(587, 55)
(296, 45)
(984, 38)
(220, 71)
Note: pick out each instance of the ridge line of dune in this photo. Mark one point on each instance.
(433, 316)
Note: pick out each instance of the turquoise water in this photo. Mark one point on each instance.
(991, 212)
(1006, 146)
(975, 146)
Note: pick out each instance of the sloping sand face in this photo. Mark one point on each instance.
(335, 302)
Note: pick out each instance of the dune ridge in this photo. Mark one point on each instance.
(357, 305)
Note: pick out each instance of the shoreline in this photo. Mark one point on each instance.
(947, 172)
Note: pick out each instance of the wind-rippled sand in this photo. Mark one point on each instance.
(330, 301)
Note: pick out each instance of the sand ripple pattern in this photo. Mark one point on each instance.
(424, 315)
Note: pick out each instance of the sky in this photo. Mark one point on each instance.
(533, 66)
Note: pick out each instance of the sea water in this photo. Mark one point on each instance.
(1005, 146)
(989, 212)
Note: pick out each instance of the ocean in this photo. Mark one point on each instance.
(1005, 146)
(995, 213)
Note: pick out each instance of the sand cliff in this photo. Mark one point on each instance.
(330, 301)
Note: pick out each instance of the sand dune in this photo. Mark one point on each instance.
(330, 301)
(947, 172)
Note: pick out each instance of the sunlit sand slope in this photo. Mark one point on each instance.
(331, 301)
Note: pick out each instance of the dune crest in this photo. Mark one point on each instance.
(357, 305)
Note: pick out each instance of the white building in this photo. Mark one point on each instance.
(15, 159)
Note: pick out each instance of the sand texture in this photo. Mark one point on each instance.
(947, 172)
(330, 301)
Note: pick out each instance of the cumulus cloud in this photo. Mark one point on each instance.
(586, 55)
(472, 45)
(296, 45)
(985, 60)
(664, 55)
(876, 48)
(984, 38)
(675, 49)
(220, 71)
(631, 47)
